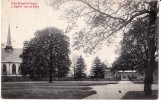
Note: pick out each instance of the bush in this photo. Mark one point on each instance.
(26, 78)
(14, 79)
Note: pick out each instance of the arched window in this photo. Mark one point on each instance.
(13, 69)
(4, 69)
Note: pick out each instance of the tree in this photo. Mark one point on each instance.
(134, 51)
(80, 68)
(97, 70)
(73, 60)
(105, 18)
(32, 63)
(47, 54)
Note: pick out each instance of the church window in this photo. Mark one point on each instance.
(4, 69)
(13, 69)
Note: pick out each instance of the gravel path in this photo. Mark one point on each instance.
(117, 91)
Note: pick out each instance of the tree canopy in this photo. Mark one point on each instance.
(46, 55)
(98, 69)
(105, 18)
(134, 50)
(80, 68)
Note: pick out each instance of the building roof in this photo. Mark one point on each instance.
(12, 56)
(128, 71)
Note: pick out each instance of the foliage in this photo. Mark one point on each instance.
(46, 54)
(80, 68)
(98, 69)
(102, 18)
(105, 18)
(134, 50)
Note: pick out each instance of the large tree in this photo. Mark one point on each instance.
(80, 68)
(134, 51)
(47, 54)
(104, 18)
(98, 69)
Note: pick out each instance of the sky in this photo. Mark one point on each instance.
(25, 21)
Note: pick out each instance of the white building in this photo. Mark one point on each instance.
(10, 59)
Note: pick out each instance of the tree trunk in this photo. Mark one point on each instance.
(50, 74)
(148, 79)
(50, 64)
(50, 78)
(151, 51)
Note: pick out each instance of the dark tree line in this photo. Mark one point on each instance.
(97, 70)
(46, 55)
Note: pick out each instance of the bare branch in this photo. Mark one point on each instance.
(84, 14)
(98, 5)
(108, 15)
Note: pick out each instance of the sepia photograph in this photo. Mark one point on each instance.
(80, 49)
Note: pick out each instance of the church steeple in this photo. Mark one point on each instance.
(9, 37)
(9, 44)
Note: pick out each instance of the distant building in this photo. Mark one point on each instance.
(10, 60)
(108, 74)
(132, 75)
(122, 75)
(126, 75)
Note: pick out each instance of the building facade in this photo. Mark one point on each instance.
(133, 75)
(10, 59)
(126, 75)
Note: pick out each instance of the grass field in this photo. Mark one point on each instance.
(140, 95)
(142, 82)
(45, 90)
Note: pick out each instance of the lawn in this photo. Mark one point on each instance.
(45, 90)
(140, 95)
(142, 82)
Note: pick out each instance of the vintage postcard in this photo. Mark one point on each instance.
(79, 49)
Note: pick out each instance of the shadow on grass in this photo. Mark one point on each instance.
(140, 95)
(142, 82)
(69, 94)
(44, 91)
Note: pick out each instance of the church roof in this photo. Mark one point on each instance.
(12, 56)
(127, 71)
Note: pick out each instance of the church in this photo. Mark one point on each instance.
(10, 59)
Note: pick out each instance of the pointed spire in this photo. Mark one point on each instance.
(9, 44)
(9, 37)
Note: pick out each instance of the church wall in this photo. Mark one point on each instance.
(9, 69)
(11, 58)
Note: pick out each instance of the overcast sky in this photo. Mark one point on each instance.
(25, 21)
